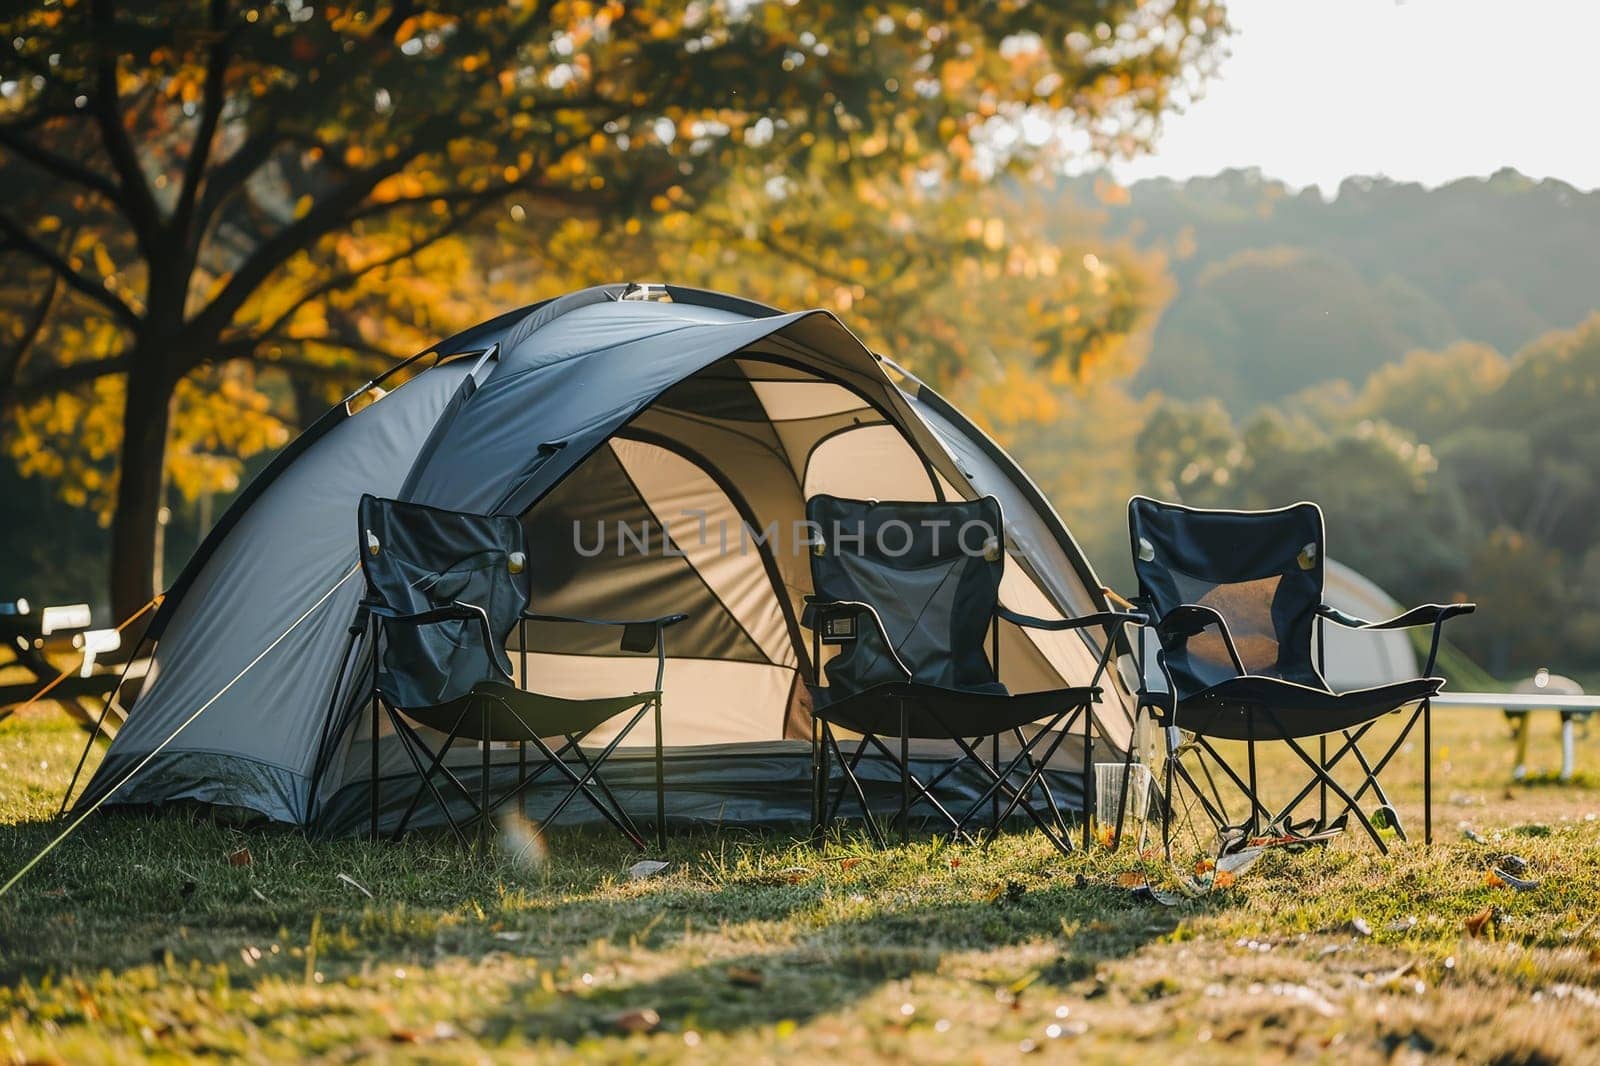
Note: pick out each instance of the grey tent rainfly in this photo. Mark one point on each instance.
(657, 445)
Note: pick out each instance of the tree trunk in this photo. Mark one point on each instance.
(144, 451)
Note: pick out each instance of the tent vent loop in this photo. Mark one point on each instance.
(991, 549)
(1147, 551)
(372, 543)
(1308, 556)
(516, 562)
(819, 547)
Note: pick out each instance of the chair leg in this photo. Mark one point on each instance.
(1427, 772)
(994, 804)
(1337, 789)
(1044, 787)
(1253, 828)
(1322, 800)
(853, 782)
(409, 744)
(373, 829)
(1088, 773)
(905, 774)
(580, 787)
(661, 784)
(522, 777)
(819, 781)
(920, 793)
(1019, 794)
(483, 783)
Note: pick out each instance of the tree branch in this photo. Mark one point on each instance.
(138, 202)
(26, 243)
(11, 359)
(65, 377)
(59, 165)
(325, 215)
(350, 277)
(210, 115)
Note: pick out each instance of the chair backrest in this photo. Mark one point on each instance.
(418, 558)
(1260, 570)
(930, 570)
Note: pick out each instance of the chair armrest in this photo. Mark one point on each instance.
(817, 612)
(452, 613)
(1190, 620)
(1109, 619)
(1426, 615)
(638, 634)
(664, 621)
(455, 612)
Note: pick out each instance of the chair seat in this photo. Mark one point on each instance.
(1266, 708)
(517, 715)
(943, 714)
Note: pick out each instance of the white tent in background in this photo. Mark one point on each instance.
(1362, 658)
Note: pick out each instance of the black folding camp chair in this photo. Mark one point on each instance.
(909, 591)
(443, 594)
(1236, 603)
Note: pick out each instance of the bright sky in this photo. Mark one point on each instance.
(1417, 90)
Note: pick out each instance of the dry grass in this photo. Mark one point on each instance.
(138, 938)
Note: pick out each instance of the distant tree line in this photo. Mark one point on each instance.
(1457, 473)
(1278, 289)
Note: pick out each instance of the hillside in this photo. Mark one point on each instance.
(1278, 290)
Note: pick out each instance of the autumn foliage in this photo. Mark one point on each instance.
(220, 214)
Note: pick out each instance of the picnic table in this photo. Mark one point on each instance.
(1542, 692)
(61, 658)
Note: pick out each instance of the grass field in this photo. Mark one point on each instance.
(140, 937)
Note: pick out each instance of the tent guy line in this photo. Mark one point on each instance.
(79, 820)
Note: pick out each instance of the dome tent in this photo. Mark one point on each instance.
(658, 445)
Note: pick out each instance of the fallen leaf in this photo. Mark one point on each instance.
(1359, 926)
(1105, 836)
(1509, 880)
(438, 1031)
(1492, 879)
(1478, 923)
(745, 977)
(642, 1020)
(645, 868)
(850, 863)
(240, 857)
(1224, 879)
(1131, 879)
